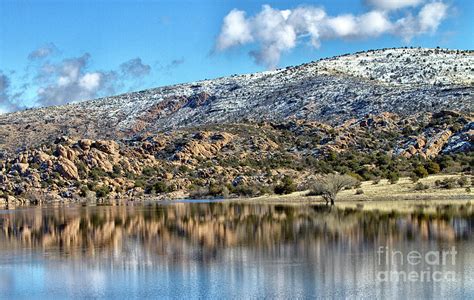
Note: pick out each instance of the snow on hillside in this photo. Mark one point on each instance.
(407, 66)
(332, 90)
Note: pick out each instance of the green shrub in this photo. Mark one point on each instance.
(358, 176)
(393, 177)
(148, 171)
(160, 187)
(116, 171)
(34, 166)
(198, 192)
(81, 169)
(432, 167)
(463, 181)
(447, 183)
(247, 190)
(420, 187)
(139, 183)
(60, 183)
(96, 173)
(420, 171)
(83, 191)
(102, 191)
(287, 186)
(414, 178)
(129, 175)
(184, 169)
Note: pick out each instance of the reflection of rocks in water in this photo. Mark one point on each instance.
(197, 231)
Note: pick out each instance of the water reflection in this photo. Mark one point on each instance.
(225, 249)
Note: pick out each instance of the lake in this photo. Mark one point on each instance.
(235, 250)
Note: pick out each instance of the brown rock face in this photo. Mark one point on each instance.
(21, 168)
(67, 168)
(199, 99)
(109, 147)
(420, 142)
(41, 157)
(206, 146)
(96, 158)
(436, 143)
(85, 144)
(65, 152)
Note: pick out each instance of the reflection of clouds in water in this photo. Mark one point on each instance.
(67, 280)
(25, 278)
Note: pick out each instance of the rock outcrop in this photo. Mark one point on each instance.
(258, 155)
(67, 168)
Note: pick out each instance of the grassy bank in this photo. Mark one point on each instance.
(385, 193)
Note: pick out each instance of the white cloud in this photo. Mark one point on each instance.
(43, 51)
(8, 101)
(343, 26)
(69, 81)
(307, 20)
(431, 16)
(393, 4)
(90, 81)
(278, 31)
(427, 21)
(374, 23)
(276, 34)
(135, 68)
(235, 30)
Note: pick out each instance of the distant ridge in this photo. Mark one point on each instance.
(401, 80)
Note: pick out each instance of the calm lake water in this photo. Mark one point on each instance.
(234, 250)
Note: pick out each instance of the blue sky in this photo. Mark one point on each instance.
(53, 52)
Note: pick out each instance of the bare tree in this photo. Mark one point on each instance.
(331, 184)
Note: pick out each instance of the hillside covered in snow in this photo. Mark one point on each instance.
(334, 90)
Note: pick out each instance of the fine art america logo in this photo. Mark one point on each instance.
(415, 266)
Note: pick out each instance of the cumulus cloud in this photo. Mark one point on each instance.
(135, 68)
(52, 81)
(4, 84)
(235, 30)
(8, 102)
(275, 34)
(426, 22)
(71, 80)
(277, 31)
(431, 16)
(393, 4)
(67, 81)
(42, 52)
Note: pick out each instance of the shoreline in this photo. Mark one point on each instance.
(374, 195)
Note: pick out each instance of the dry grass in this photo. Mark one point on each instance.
(404, 189)
(384, 195)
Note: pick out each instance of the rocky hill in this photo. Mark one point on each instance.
(402, 81)
(377, 114)
(241, 159)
